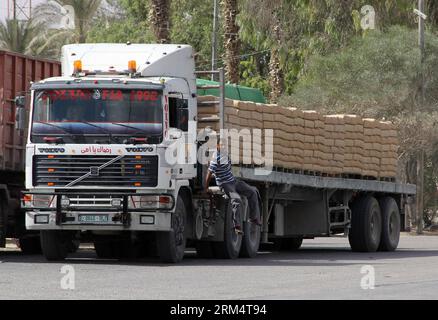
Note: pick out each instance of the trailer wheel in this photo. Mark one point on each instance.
(390, 224)
(204, 249)
(366, 225)
(230, 247)
(251, 237)
(30, 244)
(54, 244)
(288, 244)
(171, 245)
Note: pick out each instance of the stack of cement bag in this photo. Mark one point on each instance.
(305, 141)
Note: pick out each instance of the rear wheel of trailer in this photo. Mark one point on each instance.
(390, 224)
(171, 245)
(366, 224)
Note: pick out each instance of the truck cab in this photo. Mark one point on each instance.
(112, 146)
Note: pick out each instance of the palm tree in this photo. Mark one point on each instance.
(21, 36)
(232, 41)
(83, 13)
(263, 20)
(159, 17)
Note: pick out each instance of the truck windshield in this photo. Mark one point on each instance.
(84, 114)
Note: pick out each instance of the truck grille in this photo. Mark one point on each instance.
(129, 171)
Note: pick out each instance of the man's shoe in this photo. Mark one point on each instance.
(256, 222)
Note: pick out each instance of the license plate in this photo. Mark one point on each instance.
(93, 218)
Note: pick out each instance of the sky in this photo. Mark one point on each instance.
(25, 4)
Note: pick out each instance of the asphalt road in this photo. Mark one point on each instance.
(322, 269)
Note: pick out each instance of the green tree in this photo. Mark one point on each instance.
(377, 76)
(159, 18)
(192, 23)
(84, 11)
(231, 40)
(25, 37)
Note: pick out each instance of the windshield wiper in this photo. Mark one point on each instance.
(71, 135)
(147, 134)
(131, 127)
(110, 135)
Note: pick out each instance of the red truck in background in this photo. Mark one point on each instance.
(17, 71)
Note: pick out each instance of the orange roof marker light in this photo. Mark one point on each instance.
(132, 66)
(77, 66)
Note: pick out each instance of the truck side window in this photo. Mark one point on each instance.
(178, 113)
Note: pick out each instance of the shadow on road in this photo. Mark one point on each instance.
(303, 257)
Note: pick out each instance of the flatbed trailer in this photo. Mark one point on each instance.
(297, 205)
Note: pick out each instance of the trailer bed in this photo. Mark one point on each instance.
(320, 182)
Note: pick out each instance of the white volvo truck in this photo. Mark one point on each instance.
(111, 157)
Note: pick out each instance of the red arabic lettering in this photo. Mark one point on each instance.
(93, 149)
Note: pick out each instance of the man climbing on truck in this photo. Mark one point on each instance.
(220, 167)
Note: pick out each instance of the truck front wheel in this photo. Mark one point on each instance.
(54, 244)
(390, 224)
(366, 225)
(171, 245)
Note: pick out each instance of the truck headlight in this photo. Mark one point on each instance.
(151, 202)
(37, 201)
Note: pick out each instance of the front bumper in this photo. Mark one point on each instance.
(108, 210)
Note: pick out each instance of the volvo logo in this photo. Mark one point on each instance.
(140, 149)
(51, 150)
(94, 171)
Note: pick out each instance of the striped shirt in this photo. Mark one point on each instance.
(220, 166)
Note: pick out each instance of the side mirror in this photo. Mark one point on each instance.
(20, 113)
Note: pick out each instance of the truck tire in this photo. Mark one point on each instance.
(204, 249)
(30, 244)
(366, 225)
(251, 238)
(171, 245)
(230, 247)
(54, 245)
(288, 244)
(390, 224)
